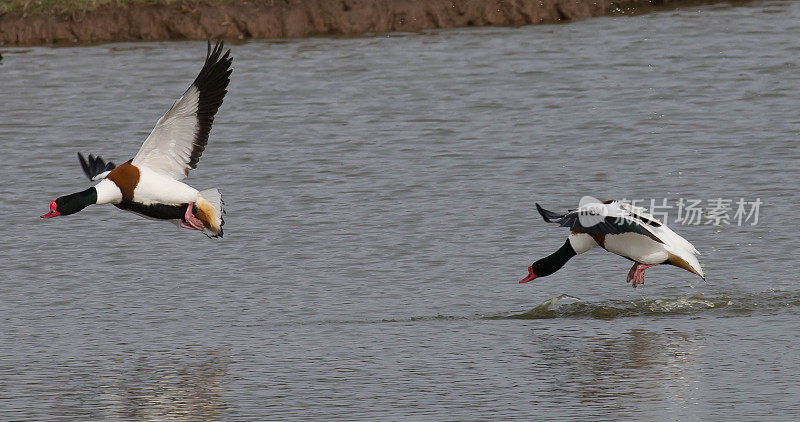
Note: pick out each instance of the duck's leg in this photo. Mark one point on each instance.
(189, 221)
(638, 273)
(632, 272)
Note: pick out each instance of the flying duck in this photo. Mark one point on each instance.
(150, 184)
(619, 228)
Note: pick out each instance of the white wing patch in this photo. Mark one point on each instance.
(101, 175)
(624, 210)
(169, 147)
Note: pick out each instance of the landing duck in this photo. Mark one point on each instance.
(619, 228)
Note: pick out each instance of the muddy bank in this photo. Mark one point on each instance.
(297, 18)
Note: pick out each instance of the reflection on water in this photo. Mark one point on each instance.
(191, 391)
(640, 364)
(152, 387)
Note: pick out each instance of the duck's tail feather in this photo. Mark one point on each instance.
(687, 261)
(210, 210)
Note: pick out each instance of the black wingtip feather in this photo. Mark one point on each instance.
(542, 212)
(212, 82)
(84, 166)
(548, 216)
(94, 165)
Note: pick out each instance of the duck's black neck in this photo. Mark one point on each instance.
(75, 202)
(553, 262)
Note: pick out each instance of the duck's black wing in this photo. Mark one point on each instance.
(95, 168)
(588, 221)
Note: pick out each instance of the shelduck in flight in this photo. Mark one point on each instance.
(619, 228)
(150, 184)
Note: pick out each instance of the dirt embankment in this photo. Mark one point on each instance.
(295, 18)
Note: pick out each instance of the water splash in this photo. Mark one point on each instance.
(763, 302)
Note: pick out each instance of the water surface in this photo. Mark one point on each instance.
(380, 200)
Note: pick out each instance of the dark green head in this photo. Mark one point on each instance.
(70, 204)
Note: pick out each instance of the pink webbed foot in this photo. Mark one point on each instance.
(636, 274)
(189, 221)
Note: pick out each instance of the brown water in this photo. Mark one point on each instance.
(380, 211)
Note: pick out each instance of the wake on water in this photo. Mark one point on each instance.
(566, 306)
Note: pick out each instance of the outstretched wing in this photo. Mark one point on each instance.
(180, 136)
(95, 168)
(592, 223)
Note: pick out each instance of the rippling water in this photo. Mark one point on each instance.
(380, 211)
